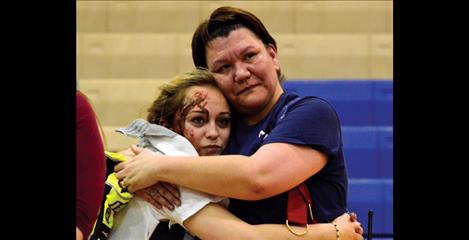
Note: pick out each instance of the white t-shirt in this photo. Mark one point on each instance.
(139, 218)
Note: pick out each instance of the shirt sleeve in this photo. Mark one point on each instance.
(90, 165)
(312, 122)
(191, 202)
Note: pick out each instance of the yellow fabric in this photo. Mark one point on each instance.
(116, 157)
(116, 199)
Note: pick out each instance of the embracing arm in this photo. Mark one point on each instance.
(273, 169)
(215, 222)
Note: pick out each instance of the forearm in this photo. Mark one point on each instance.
(322, 231)
(215, 222)
(228, 176)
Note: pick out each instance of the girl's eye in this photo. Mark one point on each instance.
(224, 122)
(198, 121)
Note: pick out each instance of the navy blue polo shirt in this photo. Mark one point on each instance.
(309, 121)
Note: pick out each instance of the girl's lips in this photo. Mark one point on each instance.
(212, 146)
(211, 150)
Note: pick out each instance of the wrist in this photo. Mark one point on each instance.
(336, 228)
(166, 169)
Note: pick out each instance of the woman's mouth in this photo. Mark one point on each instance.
(247, 89)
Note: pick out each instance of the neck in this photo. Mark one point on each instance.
(258, 116)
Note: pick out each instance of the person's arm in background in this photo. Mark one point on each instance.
(215, 222)
(90, 167)
(79, 234)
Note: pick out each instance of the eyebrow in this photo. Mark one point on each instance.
(199, 111)
(223, 60)
(207, 112)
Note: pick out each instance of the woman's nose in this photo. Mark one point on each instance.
(242, 73)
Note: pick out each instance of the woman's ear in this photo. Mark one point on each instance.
(272, 51)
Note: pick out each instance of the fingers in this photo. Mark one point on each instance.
(118, 168)
(358, 228)
(123, 183)
(127, 153)
(136, 149)
(130, 188)
(357, 225)
(162, 200)
(343, 219)
(353, 216)
(173, 189)
(358, 237)
(160, 197)
(170, 194)
(147, 196)
(351, 228)
(165, 197)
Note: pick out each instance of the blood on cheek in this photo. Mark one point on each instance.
(190, 132)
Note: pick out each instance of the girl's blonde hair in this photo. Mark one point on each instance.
(170, 101)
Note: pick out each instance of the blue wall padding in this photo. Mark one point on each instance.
(385, 152)
(360, 102)
(383, 102)
(374, 194)
(352, 100)
(361, 151)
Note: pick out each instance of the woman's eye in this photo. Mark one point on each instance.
(223, 68)
(249, 56)
(224, 122)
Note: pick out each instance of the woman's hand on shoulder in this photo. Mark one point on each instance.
(139, 172)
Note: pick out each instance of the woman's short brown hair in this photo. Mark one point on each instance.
(222, 21)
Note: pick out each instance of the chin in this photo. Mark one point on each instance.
(253, 101)
(209, 153)
(251, 106)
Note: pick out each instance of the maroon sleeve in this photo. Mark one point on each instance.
(90, 166)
